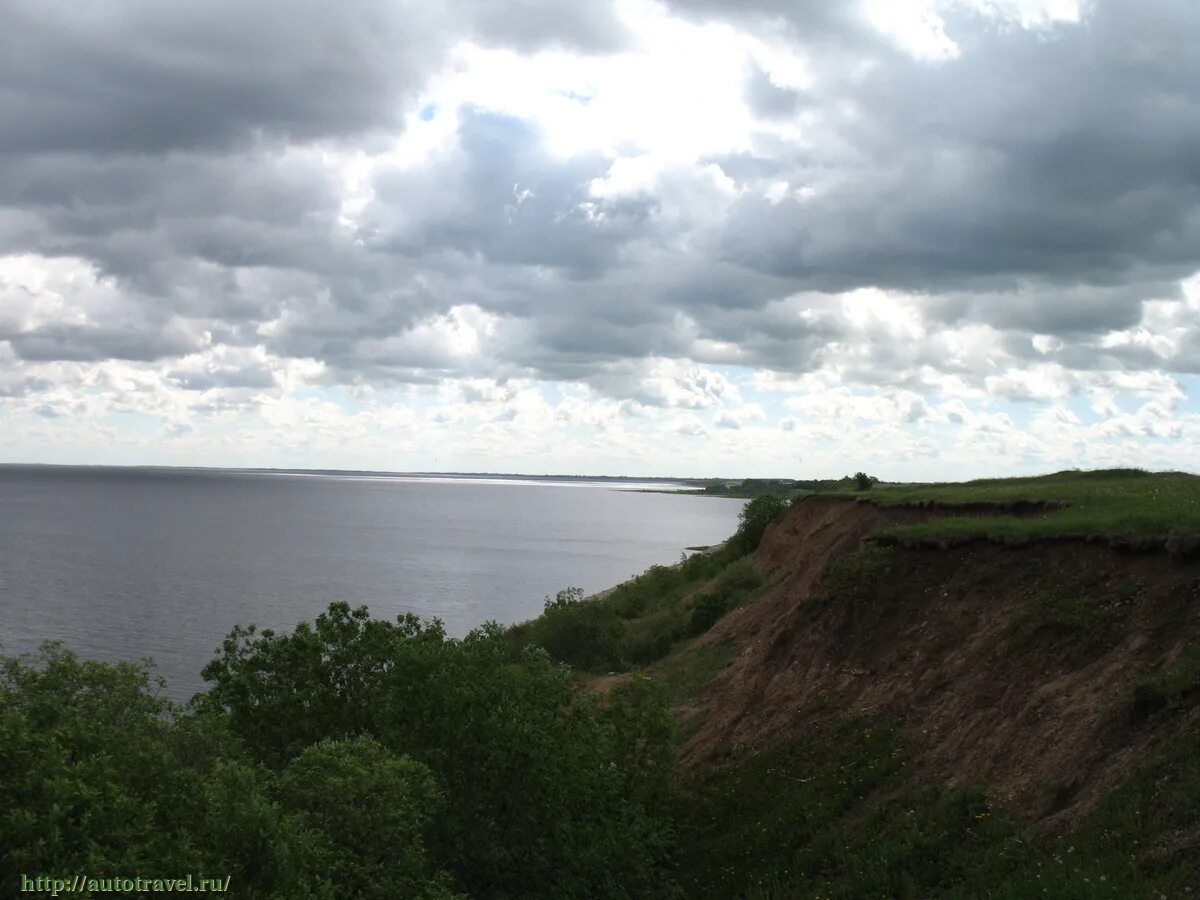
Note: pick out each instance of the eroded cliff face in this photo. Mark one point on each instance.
(1024, 669)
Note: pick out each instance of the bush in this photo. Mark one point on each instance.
(754, 518)
(863, 481)
(651, 638)
(535, 792)
(349, 758)
(739, 578)
(587, 635)
(102, 776)
(707, 610)
(371, 810)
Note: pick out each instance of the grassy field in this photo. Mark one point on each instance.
(1113, 503)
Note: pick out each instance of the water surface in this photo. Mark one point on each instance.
(126, 563)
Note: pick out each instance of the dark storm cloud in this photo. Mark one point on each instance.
(142, 76)
(530, 25)
(135, 217)
(223, 378)
(94, 343)
(1053, 309)
(1066, 157)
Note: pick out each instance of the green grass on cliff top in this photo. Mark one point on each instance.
(1114, 503)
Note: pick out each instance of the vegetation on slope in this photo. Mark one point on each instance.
(844, 804)
(868, 785)
(834, 815)
(642, 620)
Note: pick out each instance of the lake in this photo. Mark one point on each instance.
(125, 563)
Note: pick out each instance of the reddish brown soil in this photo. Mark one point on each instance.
(1009, 667)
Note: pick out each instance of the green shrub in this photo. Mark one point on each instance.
(371, 811)
(101, 776)
(535, 799)
(863, 481)
(649, 639)
(754, 518)
(708, 608)
(587, 635)
(856, 581)
(739, 578)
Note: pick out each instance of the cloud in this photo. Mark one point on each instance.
(139, 77)
(655, 221)
(1058, 157)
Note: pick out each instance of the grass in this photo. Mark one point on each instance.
(1113, 503)
(735, 586)
(645, 619)
(747, 823)
(857, 580)
(1171, 688)
(831, 815)
(689, 669)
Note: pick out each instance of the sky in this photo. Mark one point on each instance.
(928, 239)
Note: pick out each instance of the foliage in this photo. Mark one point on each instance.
(708, 608)
(564, 598)
(733, 587)
(831, 815)
(642, 620)
(534, 780)
(687, 670)
(335, 670)
(746, 822)
(643, 737)
(102, 776)
(372, 809)
(863, 481)
(749, 488)
(584, 634)
(349, 758)
(754, 518)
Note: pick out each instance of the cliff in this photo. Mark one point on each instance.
(1057, 678)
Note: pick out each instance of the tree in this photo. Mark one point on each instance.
(754, 518)
(101, 776)
(536, 802)
(370, 810)
(351, 757)
(864, 482)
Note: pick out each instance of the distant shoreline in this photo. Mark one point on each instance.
(362, 473)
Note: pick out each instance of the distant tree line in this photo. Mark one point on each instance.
(784, 487)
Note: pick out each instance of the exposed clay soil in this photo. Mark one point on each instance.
(1011, 667)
